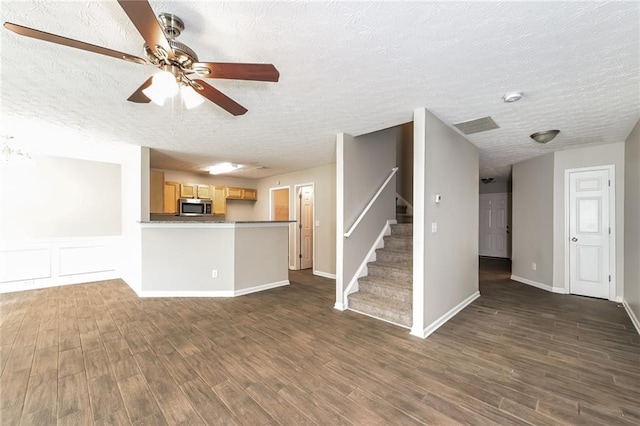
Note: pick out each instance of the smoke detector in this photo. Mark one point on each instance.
(512, 97)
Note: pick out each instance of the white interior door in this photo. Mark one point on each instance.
(589, 233)
(495, 237)
(306, 227)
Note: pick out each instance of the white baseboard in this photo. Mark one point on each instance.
(262, 287)
(324, 274)
(169, 293)
(212, 293)
(632, 316)
(340, 306)
(14, 286)
(370, 257)
(546, 287)
(444, 318)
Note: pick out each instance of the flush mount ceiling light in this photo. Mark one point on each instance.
(223, 168)
(544, 137)
(512, 97)
(486, 180)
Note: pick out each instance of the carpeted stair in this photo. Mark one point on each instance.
(401, 214)
(386, 293)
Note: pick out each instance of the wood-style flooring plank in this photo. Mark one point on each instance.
(97, 354)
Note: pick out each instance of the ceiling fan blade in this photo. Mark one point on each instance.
(257, 72)
(144, 19)
(41, 35)
(218, 98)
(139, 97)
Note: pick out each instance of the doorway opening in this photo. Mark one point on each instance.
(304, 229)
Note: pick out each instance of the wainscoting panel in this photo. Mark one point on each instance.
(27, 265)
(17, 265)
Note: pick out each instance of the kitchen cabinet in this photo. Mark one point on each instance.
(192, 190)
(156, 191)
(242, 193)
(219, 200)
(204, 191)
(250, 194)
(188, 190)
(171, 195)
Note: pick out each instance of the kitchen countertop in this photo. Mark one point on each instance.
(199, 220)
(213, 223)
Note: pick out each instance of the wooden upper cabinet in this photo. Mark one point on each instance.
(242, 193)
(219, 200)
(171, 195)
(204, 191)
(234, 193)
(156, 191)
(188, 190)
(250, 194)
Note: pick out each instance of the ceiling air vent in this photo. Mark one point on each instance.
(476, 126)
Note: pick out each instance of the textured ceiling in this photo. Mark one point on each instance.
(353, 67)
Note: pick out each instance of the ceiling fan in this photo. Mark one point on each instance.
(179, 63)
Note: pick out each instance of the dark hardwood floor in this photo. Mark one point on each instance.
(97, 354)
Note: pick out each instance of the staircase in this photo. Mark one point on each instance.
(386, 293)
(401, 214)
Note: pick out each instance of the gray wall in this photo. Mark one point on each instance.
(368, 160)
(451, 254)
(404, 160)
(498, 186)
(180, 259)
(61, 197)
(324, 179)
(601, 155)
(256, 246)
(532, 219)
(632, 221)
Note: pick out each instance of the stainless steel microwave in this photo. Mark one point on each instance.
(194, 207)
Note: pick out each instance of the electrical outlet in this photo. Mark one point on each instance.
(214, 273)
(534, 266)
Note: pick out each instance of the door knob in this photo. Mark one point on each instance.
(574, 239)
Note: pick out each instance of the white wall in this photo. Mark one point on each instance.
(601, 155)
(324, 180)
(532, 221)
(79, 251)
(363, 164)
(632, 225)
(450, 256)
(60, 198)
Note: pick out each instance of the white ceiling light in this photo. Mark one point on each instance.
(223, 168)
(512, 97)
(163, 86)
(190, 97)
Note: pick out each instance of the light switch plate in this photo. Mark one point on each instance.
(434, 227)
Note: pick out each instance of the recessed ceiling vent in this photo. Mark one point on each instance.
(476, 126)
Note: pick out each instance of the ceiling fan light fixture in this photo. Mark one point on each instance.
(544, 137)
(190, 97)
(154, 93)
(163, 86)
(223, 168)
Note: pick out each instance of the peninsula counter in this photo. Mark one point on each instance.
(213, 259)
